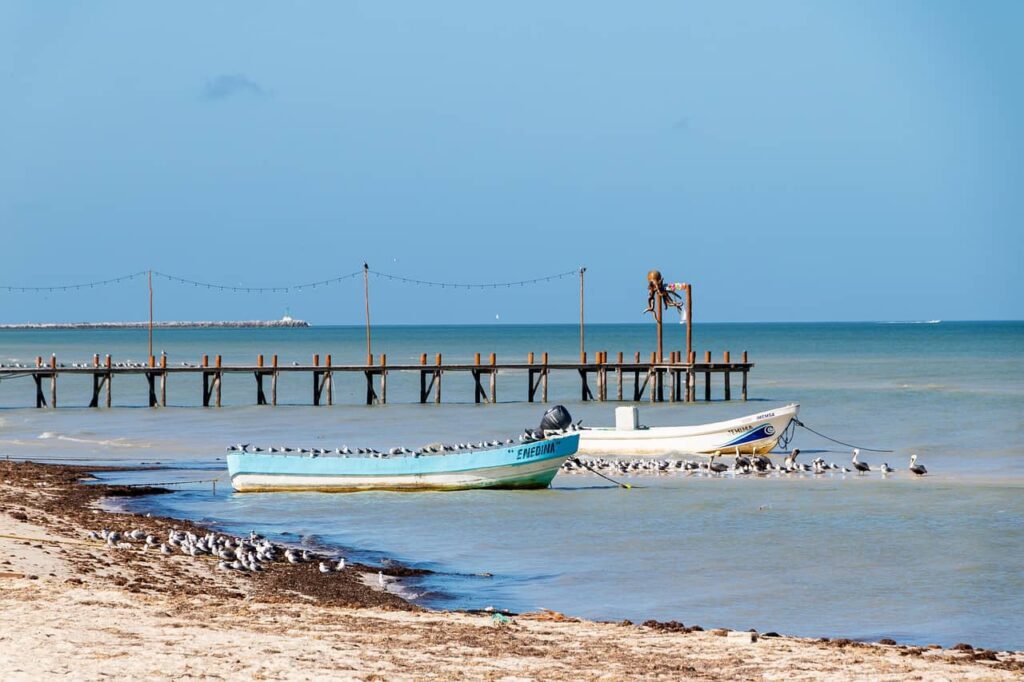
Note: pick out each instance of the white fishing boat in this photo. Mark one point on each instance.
(752, 434)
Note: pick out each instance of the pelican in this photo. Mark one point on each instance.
(915, 468)
(790, 460)
(716, 468)
(861, 467)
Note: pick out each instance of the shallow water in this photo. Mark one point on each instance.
(939, 559)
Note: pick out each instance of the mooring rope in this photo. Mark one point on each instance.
(849, 445)
(595, 471)
(160, 484)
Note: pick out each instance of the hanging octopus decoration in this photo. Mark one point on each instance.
(669, 298)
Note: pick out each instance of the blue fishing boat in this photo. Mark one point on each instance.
(529, 462)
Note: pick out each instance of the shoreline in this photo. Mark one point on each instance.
(50, 572)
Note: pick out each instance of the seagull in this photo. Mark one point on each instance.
(915, 468)
(886, 469)
(859, 466)
(380, 579)
(341, 564)
(324, 568)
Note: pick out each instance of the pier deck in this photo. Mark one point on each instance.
(668, 379)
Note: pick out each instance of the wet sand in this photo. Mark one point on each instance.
(73, 607)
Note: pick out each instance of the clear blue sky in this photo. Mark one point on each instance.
(794, 160)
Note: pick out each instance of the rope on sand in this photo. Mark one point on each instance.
(595, 471)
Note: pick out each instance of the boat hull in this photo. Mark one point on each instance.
(524, 466)
(753, 434)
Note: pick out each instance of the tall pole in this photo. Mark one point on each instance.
(366, 299)
(689, 321)
(657, 319)
(583, 349)
(150, 314)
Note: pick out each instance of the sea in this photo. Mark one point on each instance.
(938, 559)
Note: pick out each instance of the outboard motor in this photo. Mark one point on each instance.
(555, 419)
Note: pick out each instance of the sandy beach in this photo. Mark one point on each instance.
(76, 608)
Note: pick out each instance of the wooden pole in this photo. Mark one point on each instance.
(544, 379)
(583, 347)
(273, 381)
(110, 378)
(383, 378)
(744, 389)
(329, 378)
(53, 381)
(494, 379)
(618, 377)
(728, 388)
(707, 376)
(437, 381)
(366, 300)
(657, 320)
(150, 313)
(163, 379)
(689, 319)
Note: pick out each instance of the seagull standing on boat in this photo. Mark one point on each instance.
(861, 467)
(915, 468)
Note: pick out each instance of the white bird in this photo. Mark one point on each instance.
(341, 564)
(886, 469)
(380, 579)
(324, 568)
(164, 549)
(915, 468)
(859, 466)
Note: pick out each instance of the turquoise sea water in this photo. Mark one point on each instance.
(939, 559)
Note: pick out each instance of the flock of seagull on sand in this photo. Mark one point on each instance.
(244, 555)
(431, 449)
(743, 464)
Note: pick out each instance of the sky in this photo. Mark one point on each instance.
(794, 161)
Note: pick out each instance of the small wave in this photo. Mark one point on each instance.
(113, 443)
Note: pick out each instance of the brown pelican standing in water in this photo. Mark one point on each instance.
(861, 467)
(915, 468)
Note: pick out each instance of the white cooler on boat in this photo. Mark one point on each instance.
(627, 418)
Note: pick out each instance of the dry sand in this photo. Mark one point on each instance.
(76, 609)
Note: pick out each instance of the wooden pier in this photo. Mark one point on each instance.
(601, 377)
